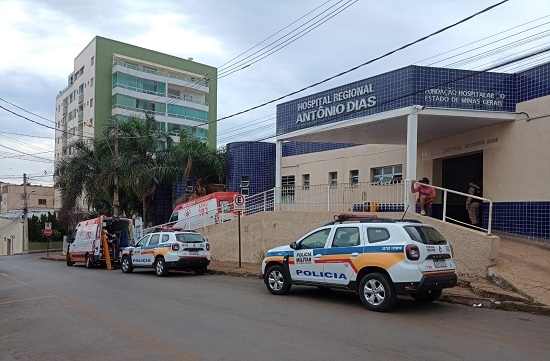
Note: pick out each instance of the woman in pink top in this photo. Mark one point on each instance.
(426, 194)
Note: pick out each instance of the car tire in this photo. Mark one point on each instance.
(276, 280)
(200, 270)
(377, 292)
(88, 260)
(126, 265)
(68, 259)
(161, 268)
(427, 296)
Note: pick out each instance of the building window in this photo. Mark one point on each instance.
(333, 179)
(305, 181)
(91, 102)
(387, 175)
(92, 61)
(287, 189)
(92, 82)
(41, 202)
(354, 177)
(245, 184)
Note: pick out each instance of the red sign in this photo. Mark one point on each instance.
(47, 232)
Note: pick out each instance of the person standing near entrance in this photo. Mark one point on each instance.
(473, 204)
(426, 195)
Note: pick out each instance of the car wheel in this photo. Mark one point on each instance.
(377, 292)
(68, 258)
(161, 269)
(200, 270)
(427, 296)
(89, 263)
(276, 280)
(126, 265)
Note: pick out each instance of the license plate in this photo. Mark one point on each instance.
(440, 263)
(194, 252)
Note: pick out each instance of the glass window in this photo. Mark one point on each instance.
(346, 237)
(287, 191)
(387, 175)
(333, 179)
(165, 238)
(143, 241)
(245, 181)
(315, 240)
(354, 177)
(424, 234)
(154, 239)
(305, 181)
(189, 237)
(42, 202)
(92, 61)
(375, 234)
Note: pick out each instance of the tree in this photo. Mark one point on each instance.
(147, 156)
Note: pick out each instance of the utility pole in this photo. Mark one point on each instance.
(116, 203)
(25, 216)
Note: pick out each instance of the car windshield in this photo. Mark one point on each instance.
(189, 237)
(425, 234)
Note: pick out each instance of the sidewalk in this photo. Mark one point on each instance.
(520, 280)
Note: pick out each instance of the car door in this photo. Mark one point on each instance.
(137, 258)
(307, 264)
(345, 245)
(148, 251)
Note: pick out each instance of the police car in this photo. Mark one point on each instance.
(168, 249)
(378, 258)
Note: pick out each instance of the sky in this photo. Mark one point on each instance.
(41, 38)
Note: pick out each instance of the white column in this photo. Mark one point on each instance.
(278, 167)
(412, 149)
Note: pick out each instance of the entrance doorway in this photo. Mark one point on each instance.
(456, 173)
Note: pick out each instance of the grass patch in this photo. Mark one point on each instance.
(42, 246)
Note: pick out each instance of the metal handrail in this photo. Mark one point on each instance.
(445, 191)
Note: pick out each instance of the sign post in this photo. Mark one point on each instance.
(48, 233)
(239, 206)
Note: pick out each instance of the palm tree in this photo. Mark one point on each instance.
(205, 163)
(143, 154)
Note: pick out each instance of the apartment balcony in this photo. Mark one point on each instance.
(65, 109)
(188, 102)
(80, 135)
(64, 143)
(80, 98)
(197, 84)
(80, 117)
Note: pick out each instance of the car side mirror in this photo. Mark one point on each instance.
(293, 245)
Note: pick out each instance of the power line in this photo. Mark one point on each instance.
(365, 63)
(36, 115)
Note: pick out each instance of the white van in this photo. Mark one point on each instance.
(86, 246)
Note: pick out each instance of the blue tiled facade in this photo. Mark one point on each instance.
(253, 159)
(412, 85)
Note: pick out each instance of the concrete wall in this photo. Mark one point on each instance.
(474, 251)
(9, 228)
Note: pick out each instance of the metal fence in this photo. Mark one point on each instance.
(358, 197)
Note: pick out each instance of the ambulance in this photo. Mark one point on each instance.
(86, 245)
(204, 211)
(376, 257)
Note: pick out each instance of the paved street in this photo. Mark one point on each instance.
(53, 312)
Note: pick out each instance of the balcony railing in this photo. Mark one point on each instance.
(80, 98)
(187, 99)
(160, 73)
(65, 109)
(80, 117)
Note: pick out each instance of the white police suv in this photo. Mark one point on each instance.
(168, 249)
(378, 258)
